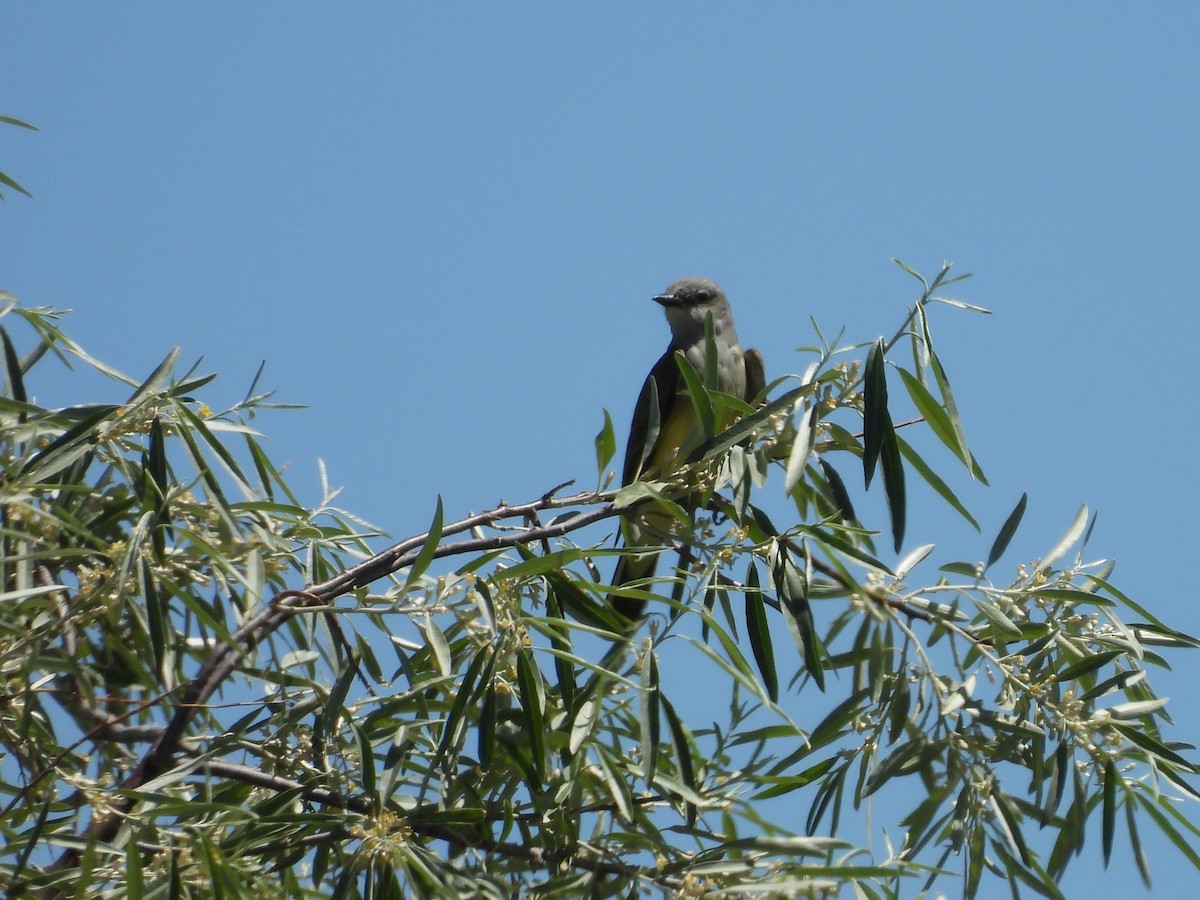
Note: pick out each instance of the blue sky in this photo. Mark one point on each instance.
(440, 227)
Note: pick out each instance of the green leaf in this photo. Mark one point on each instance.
(1151, 805)
(4, 179)
(1087, 665)
(1010, 820)
(963, 452)
(478, 676)
(792, 587)
(653, 422)
(485, 734)
(699, 395)
(335, 705)
(1150, 745)
(366, 756)
(157, 615)
(1007, 531)
(893, 484)
(876, 420)
(425, 557)
(12, 365)
(760, 634)
(747, 425)
(532, 700)
(1135, 841)
(935, 482)
(683, 755)
(1066, 541)
(157, 378)
(648, 709)
(802, 444)
(69, 446)
(786, 784)
(1109, 809)
(582, 724)
(606, 445)
(932, 412)
(840, 495)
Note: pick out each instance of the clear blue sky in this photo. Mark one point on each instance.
(440, 227)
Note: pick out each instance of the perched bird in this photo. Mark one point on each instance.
(654, 452)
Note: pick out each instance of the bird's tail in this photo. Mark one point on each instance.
(630, 568)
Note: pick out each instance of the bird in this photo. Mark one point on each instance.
(655, 452)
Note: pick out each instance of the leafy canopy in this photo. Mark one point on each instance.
(212, 688)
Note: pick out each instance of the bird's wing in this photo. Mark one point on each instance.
(667, 382)
(756, 377)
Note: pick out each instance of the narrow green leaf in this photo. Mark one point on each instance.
(366, 757)
(12, 365)
(948, 403)
(837, 488)
(532, 701)
(439, 647)
(479, 672)
(157, 378)
(425, 557)
(1010, 818)
(932, 412)
(935, 482)
(68, 446)
(335, 703)
(5, 179)
(486, 732)
(876, 421)
(893, 485)
(648, 709)
(786, 784)
(749, 424)
(975, 860)
(699, 395)
(760, 634)
(1137, 709)
(1003, 623)
(157, 613)
(802, 444)
(606, 445)
(1150, 745)
(1158, 808)
(1007, 531)
(792, 588)
(1109, 810)
(898, 710)
(1087, 665)
(1067, 541)
(1135, 841)
(133, 883)
(570, 599)
(683, 754)
(581, 726)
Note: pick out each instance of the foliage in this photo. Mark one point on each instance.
(211, 688)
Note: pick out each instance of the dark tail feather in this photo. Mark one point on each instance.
(632, 568)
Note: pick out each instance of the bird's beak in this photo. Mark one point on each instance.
(667, 300)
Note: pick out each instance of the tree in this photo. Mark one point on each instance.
(213, 688)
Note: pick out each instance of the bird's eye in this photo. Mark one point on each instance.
(703, 296)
